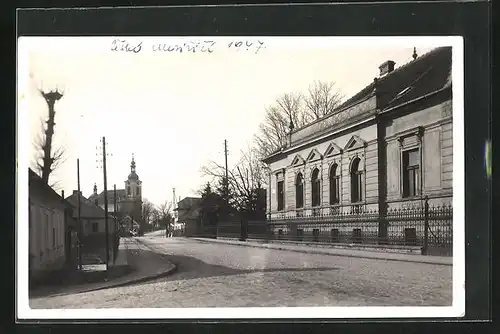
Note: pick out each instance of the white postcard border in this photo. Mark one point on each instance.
(92, 44)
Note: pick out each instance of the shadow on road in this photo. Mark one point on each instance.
(193, 268)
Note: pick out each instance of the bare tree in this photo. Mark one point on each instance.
(155, 217)
(297, 110)
(165, 214)
(147, 212)
(246, 180)
(48, 158)
(322, 99)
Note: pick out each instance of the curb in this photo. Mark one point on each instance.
(137, 280)
(117, 285)
(313, 251)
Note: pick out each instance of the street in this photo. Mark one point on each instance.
(219, 275)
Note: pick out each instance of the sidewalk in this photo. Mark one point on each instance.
(440, 260)
(129, 268)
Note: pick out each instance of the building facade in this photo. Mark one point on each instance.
(389, 146)
(128, 199)
(51, 230)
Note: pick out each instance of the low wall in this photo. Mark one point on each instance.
(381, 248)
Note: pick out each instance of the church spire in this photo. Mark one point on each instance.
(132, 164)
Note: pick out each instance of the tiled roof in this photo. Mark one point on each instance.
(87, 208)
(426, 74)
(188, 202)
(35, 183)
(120, 193)
(417, 78)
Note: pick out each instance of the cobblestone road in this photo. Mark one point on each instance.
(216, 275)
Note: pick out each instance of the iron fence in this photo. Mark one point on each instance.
(427, 227)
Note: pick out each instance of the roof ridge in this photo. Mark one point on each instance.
(349, 101)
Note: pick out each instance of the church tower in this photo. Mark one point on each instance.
(133, 184)
(131, 204)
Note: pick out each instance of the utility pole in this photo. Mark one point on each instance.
(174, 204)
(116, 224)
(227, 176)
(225, 156)
(114, 207)
(167, 225)
(105, 199)
(78, 221)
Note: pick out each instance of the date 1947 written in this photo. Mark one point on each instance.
(123, 45)
(246, 46)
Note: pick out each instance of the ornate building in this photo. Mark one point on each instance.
(389, 146)
(128, 199)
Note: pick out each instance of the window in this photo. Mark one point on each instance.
(53, 237)
(299, 191)
(411, 166)
(281, 196)
(95, 227)
(356, 182)
(300, 234)
(315, 187)
(128, 190)
(316, 234)
(334, 185)
(138, 191)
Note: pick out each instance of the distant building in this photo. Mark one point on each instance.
(92, 231)
(389, 146)
(128, 199)
(92, 217)
(188, 214)
(51, 230)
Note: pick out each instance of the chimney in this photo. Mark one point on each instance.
(386, 67)
(62, 194)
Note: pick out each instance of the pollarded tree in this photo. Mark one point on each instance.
(47, 158)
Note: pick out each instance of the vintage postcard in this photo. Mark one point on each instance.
(240, 177)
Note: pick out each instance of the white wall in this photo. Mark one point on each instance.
(46, 238)
(436, 146)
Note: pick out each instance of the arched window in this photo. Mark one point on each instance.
(356, 182)
(299, 191)
(128, 190)
(138, 191)
(315, 188)
(334, 185)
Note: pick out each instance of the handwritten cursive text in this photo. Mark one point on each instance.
(192, 46)
(123, 45)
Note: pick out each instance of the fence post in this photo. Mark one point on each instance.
(426, 225)
(242, 229)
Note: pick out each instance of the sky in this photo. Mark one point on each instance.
(173, 111)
